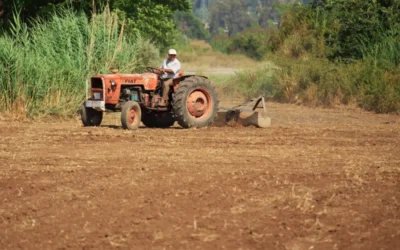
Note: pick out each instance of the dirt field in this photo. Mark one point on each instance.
(317, 179)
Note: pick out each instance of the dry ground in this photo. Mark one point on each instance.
(317, 179)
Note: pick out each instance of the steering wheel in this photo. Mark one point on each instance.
(151, 69)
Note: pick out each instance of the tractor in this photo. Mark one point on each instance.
(193, 101)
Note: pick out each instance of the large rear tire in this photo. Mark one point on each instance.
(158, 120)
(131, 115)
(195, 103)
(90, 117)
(148, 120)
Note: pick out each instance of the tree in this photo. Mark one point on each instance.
(231, 16)
(191, 26)
(352, 25)
(266, 12)
(33, 8)
(237, 15)
(153, 18)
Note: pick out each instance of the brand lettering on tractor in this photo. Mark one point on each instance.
(130, 80)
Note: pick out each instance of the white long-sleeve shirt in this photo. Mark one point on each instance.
(175, 65)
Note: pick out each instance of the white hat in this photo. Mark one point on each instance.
(171, 52)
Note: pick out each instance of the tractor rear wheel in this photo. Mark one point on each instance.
(131, 115)
(195, 103)
(148, 120)
(90, 117)
(158, 120)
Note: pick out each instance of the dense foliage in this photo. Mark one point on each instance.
(349, 26)
(191, 26)
(153, 18)
(250, 42)
(329, 53)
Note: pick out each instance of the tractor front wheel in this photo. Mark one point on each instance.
(131, 115)
(90, 117)
(195, 103)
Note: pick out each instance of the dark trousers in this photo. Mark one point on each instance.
(167, 86)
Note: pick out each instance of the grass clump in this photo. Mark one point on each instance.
(198, 55)
(316, 82)
(250, 83)
(44, 67)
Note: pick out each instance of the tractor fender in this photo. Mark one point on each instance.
(181, 78)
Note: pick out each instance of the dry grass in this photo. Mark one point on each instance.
(199, 56)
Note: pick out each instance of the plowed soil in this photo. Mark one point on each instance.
(317, 179)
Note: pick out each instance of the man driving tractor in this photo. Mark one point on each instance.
(170, 67)
(137, 96)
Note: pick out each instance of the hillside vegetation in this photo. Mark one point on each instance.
(327, 53)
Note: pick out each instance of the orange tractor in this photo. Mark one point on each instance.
(193, 101)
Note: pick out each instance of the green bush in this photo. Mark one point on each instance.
(380, 88)
(315, 82)
(251, 43)
(44, 69)
(252, 82)
(221, 43)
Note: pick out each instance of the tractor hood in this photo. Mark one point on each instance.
(109, 86)
(147, 80)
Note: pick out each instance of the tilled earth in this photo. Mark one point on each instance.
(316, 179)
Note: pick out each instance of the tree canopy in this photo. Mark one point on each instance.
(233, 16)
(349, 26)
(153, 18)
(191, 26)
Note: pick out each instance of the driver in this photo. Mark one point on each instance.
(170, 67)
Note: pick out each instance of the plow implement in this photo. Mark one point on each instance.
(246, 114)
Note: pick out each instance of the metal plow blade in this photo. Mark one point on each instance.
(245, 114)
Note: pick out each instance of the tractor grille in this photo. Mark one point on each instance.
(97, 89)
(97, 83)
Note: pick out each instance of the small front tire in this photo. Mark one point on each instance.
(90, 117)
(131, 115)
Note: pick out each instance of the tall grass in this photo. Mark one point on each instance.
(256, 81)
(249, 83)
(382, 59)
(199, 56)
(384, 54)
(44, 67)
(316, 82)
